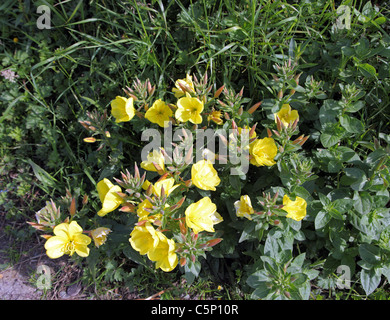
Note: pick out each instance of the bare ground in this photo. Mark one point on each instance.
(22, 266)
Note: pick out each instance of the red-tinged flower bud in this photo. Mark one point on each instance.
(276, 222)
(240, 111)
(193, 258)
(278, 124)
(141, 223)
(183, 228)
(188, 183)
(219, 91)
(127, 208)
(37, 225)
(85, 200)
(303, 141)
(234, 125)
(254, 107)
(180, 202)
(183, 261)
(194, 236)
(227, 117)
(213, 242)
(298, 140)
(72, 208)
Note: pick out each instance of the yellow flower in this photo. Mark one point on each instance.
(186, 83)
(244, 207)
(16, 40)
(215, 116)
(99, 235)
(202, 215)
(155, 156)
(144, 238)
(108, 196)
(167, 184)
(204, 176)
(68, 239)
(296, 209)
(122, 109)
(164, 253)
(159, 113)
(263, 152)
(286, 115)
(189, 109)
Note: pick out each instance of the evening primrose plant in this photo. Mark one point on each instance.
(173, 203)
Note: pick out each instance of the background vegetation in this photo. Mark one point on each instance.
(96, 48)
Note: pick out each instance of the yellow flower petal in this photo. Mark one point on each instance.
(144, 238)
(108, 196)
(287, 115)
(244, 207)
(204, 176)
(159, 113)
(189, 109)
(164, 253)
(296, 209)
(263, 152)
(67, 240)
(122, 109)
(99, 235)
(154, 156)
(167, 184)
(202, 215)
(54, 247)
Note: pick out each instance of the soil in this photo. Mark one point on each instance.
(15, 279)
(23, 266)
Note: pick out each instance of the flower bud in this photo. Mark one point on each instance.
(219, 91)
(89, 140)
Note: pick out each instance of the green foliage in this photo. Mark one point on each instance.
(327, 60)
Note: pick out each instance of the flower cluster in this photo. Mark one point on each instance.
(174, 201)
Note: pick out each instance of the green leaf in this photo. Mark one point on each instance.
(328, 139)
(362, 202)
(329, 111)
(354, 177)
(342, 205)
(261, 291)
(42, 175)
(133, 255)
(352, 125)
(331, 134)
(367, 70)
(247, 233)
(376, 156)
(257, 278)
(271, 246)
(299, 279)
(370, 253)
(355, 106)
(322, 219)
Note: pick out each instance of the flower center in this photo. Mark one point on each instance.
(69, 248)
